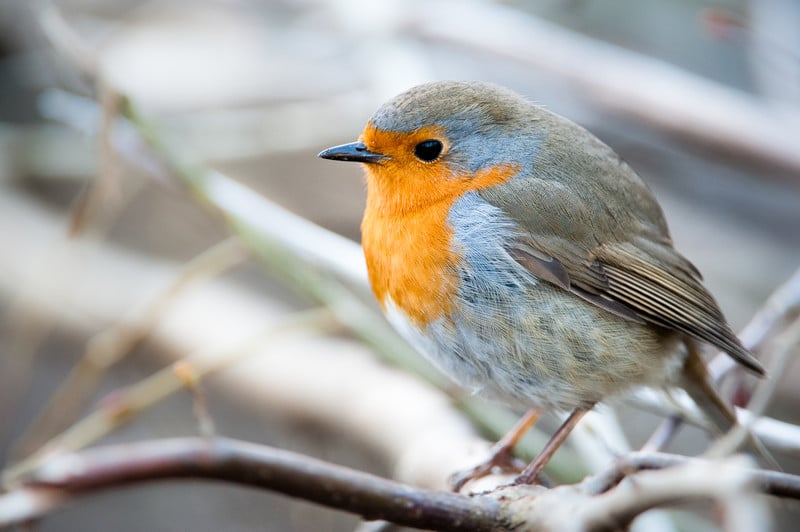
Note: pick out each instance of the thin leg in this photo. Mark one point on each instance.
(500, 455)
(528, 476)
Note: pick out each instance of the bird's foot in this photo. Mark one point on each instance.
(500, 460)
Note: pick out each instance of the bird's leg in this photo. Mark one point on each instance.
(500, 455)
(528, 476)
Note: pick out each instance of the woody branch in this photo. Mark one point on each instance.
(606, 500)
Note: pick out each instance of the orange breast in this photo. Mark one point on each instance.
(406, 236)
(409, 259)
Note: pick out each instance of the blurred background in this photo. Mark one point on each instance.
(700, 97)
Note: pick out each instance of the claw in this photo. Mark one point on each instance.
(503, 461)
(501, 455)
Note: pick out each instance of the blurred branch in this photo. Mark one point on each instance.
(103, 189)
(108, 347)
(777, 314)
(784, 345)
(603, 502)
(69, 43)
(770, 482)
(695, 109)
(730, 483)
(121, 406)
(770, 326)
(690, 107)
(24, 328)
(777, 435)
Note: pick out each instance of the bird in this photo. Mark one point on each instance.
(528, 261)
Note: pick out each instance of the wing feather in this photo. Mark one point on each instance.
(636, 289)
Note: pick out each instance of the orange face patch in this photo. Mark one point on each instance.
(405, 232)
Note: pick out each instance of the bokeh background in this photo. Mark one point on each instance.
(255, 90)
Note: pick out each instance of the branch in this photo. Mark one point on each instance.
(776, 314)
(770, 482)
(65, 477)
(727, 481)
(604, 502)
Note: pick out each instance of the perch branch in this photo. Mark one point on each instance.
(65, 477)
(604, 502)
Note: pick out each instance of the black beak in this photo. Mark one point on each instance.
(355, 151)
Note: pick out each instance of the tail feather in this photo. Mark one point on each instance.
(697, 382)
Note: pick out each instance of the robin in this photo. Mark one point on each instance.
(527, 261)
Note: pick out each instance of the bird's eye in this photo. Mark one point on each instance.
(428, 150)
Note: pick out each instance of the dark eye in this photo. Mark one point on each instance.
(428, 150)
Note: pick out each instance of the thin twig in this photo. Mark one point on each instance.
(780, 309)
(661, 437)
(124, 404)
(103, 190)
(775, 434)
(192, 382)
(785, 344)
(109, 346)
(770, 482)
(721, 480)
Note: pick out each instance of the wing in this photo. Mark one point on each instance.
(618, 256)
(620, 280)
